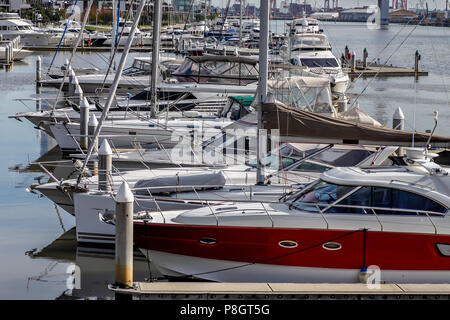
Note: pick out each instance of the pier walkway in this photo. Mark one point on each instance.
(282, 291)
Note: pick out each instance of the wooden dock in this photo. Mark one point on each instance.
(282, 291)
(383, 72)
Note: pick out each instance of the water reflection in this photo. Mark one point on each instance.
(94, 264)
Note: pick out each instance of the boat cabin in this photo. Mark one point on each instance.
(222, 70)
(375, 190)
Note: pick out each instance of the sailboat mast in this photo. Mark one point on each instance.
(114, 85)
(155, 57)
(262, 84)
(115, 23)
(240, 22)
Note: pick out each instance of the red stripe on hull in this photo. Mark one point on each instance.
(388, 250)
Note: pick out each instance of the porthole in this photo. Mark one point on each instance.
(208, 241)
(288, 244)
(332, 246)
(444, 249)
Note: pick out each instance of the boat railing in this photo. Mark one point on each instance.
(372, 210)
(421, 186)
(268, 214)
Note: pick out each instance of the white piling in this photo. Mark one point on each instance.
(84, 119)
(38, 71)
(7, 54)
(92, 126)
(105, 166)
(398, 123)
(72, 80)
(78, 94)
(124, 240)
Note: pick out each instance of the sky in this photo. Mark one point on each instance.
(439, 4)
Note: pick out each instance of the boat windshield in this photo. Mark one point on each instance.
(310, 42)
(139, 67)
(217, 71)
(333, 198)
(312, 95)
(319, 62)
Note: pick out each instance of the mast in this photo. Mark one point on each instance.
(262, 84)
(114, 85)
(240, 22)
(115, 23)
(155, 57)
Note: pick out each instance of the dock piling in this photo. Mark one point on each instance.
(365, 55)
(353, 61)
(92, 126)
(78, 94)
(124, 241)
(7, 54)
(38, 71)
(105, 166)
(398, 123)
(84, 119)
(416, 64)
(71, 85)
(346, 54)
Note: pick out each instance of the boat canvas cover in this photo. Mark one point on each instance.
(355, 114)
(297, 125)
(180, 183)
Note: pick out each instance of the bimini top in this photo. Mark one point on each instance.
(234, 70)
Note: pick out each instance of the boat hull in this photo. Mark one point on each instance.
(257, 254)
(182, 266)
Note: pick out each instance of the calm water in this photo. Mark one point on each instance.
(28, 222)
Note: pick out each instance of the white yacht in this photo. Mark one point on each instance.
(140, 38)
(133, 80)
(313, 53)
(304, 25)
(11, 26)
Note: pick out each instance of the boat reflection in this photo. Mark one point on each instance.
(87, 271)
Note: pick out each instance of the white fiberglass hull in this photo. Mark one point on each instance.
(18, 54)
(174, 265)
(87, 207)
(122, 136)
(95, 83)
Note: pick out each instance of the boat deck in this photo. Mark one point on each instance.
(281, 291)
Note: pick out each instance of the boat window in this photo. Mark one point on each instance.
(311, 166)
(5, 27)
(223, 72)
(320, 194)
(273, 161)
(342, 157)
(319, 62)
(406, 200)
(360, 197)
(388, 198)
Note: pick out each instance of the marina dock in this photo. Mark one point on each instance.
(383, 71)
(282, 291)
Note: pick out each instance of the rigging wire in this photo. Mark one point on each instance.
(381, 67)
